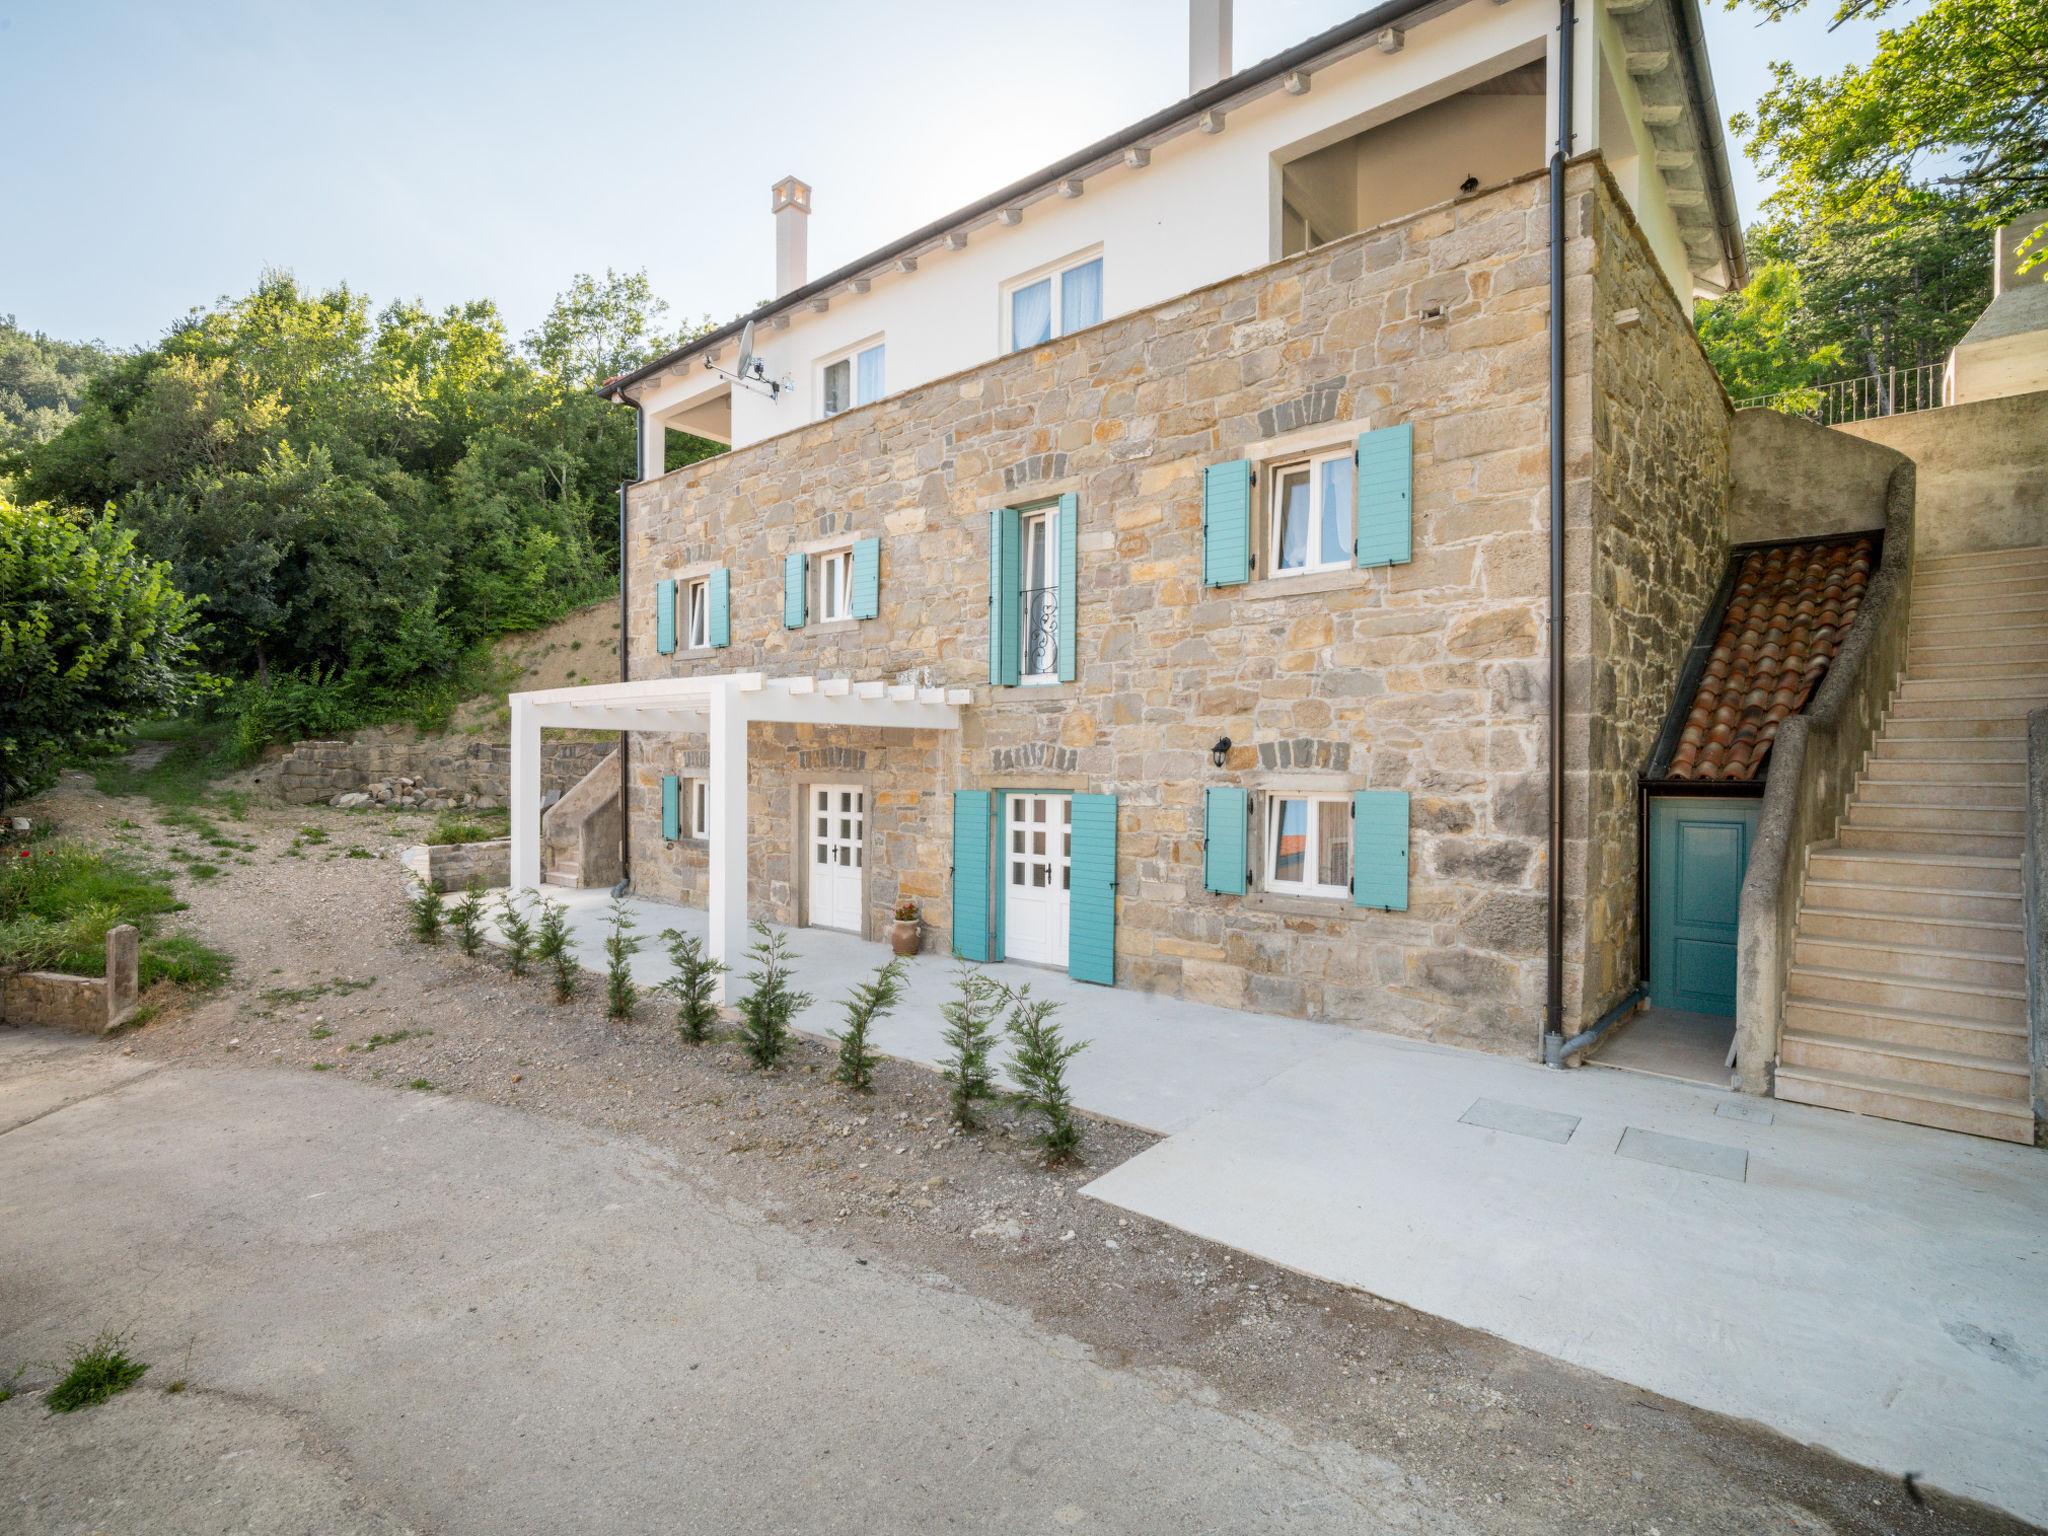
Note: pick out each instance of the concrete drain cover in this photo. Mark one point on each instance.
(1744, 1109)
(1520, 1120)
(1685, 1154)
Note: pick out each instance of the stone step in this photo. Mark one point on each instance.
(1974, 629)
(1934, 794)
(564, 874)
(1974, 560)
(1946, 773)
(1904, 1027)
(1937, 664)
(1930, 840)
(1910, 962)
(1937, 748)
(1954, 1071)
(1974, 935)
(1974, 819)
(1948, 999)
(1984, 606)
(1892, 866)
(2031, 688)
(1925, 724)
(2025, 653)
(2019, 580)
(1944, 1109)
(2004, 709)
(1872, 899)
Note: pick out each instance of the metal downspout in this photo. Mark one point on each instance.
(1553, 1002)
(626, 737)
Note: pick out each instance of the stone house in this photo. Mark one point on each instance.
(1291, 615)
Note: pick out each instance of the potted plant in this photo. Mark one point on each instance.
(907, 933)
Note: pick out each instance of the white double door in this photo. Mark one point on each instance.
(1038, 850)
(838, 816)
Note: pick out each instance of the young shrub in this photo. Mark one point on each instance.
(970, 1036)
(95, 1372)
(517, 931)
(1038, 1063)
(427, 914)
(870, 1000)
(620, 946)
(467, 919)
(551, 947)
(771, 1003)
(696, 975)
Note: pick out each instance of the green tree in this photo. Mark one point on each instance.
(1758, 337)
(41, 382)
(93, 638)
(1952, 100)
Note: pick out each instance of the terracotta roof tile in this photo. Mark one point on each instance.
(1785, 620)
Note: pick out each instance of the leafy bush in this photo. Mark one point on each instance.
(970, 1035)
(554, 949)
(94, 637)
(770, 1004)
(428, 911)
(95, 1372)
(516, 930)
(869, 1001)
(1038, 1064)
(620, 946)
(696, 976)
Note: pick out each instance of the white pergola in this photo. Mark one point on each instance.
(722, 707)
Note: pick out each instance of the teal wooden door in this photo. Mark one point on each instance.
(1699, 851)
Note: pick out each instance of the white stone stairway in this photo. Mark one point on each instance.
(1907, 993)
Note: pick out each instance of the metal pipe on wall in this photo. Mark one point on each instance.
(1553, 1001)
(625, 674)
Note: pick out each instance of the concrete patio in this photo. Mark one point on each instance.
(1875, 1288)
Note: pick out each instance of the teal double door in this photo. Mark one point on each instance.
(1034, 878)
(1699, 852)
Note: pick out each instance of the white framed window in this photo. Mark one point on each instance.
(1310, 513)
(697, 613)
(1308, 845)
(697, 808)
(1040, 614)
(855, 379)
(1042, 305)
(835, 585)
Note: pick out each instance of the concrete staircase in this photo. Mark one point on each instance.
(1907, 994)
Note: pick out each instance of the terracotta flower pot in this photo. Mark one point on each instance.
(906, 936)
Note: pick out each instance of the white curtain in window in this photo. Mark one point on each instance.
(869, 386)
(1031, 314)
(836, 379)
(1081, 296)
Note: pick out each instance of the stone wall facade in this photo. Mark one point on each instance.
(451, 866)
(1656, 515)
(1427, 676)
(444, 771)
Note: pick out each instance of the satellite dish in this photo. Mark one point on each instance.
(746, 363)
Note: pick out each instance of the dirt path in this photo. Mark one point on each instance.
(328, 979)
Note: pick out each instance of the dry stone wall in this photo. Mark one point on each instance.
(1428, 676)
(435, 772)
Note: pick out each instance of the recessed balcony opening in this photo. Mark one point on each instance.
(1484, 135)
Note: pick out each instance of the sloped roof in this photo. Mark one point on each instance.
(1790, 608)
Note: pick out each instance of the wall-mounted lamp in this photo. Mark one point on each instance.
(1220, 753)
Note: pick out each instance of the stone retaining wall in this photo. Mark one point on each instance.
(451, 866)
(86, 1005)
(440, 771)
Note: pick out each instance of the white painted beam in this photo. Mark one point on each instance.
(523, 796)
(726, 826)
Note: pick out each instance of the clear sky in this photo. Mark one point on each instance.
(167, 151)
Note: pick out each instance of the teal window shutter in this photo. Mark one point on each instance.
(1379, 849)
(1005, 595)
(795, 576)
(970, 873)
(1384, 533)
(1227, 524)
(867, 579)
(1070, 594)
(665, 616)
(671, 807)
(719, 587)
(1091, 907)
(1225, 819)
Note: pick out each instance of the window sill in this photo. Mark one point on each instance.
(830, 626)
(1309, 585)
(1287, 904)
(1036, 691)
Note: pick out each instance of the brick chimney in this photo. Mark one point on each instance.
(1208, 43)
(792, 208)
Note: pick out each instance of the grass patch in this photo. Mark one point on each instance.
(393, 1038)
(203, 871)
(323, 1066)
(319, 1032)
(474, 827)
(421, 1084)
(340, 986)
(57, 903)
(180, 958)
(95, 1372)
(312, 834)
(358, 851)
(201, 751)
